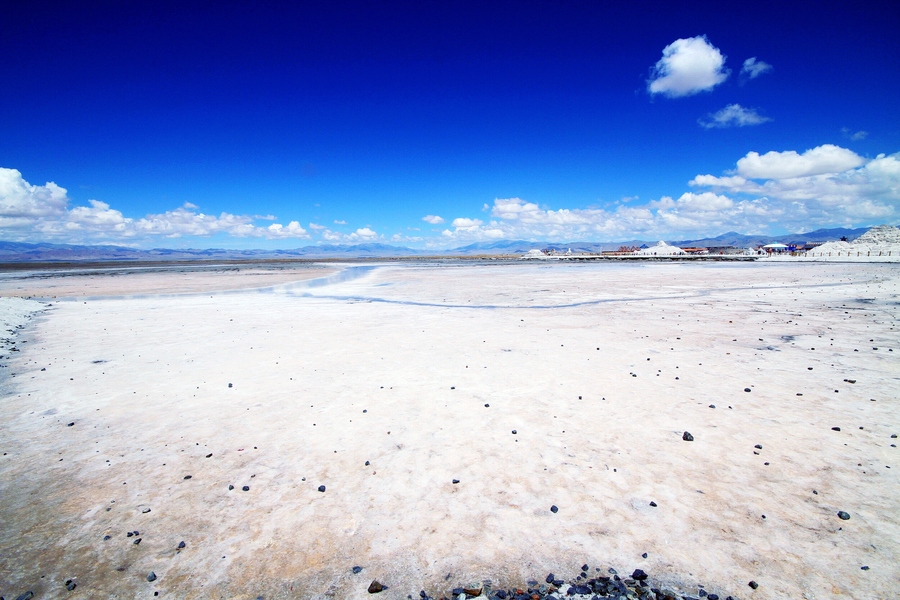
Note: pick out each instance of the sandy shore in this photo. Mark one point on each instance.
(377, 385)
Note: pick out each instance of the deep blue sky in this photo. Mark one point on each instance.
(378, 114)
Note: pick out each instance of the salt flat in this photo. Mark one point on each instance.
(599, 370)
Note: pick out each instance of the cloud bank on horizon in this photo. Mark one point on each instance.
(824, 186)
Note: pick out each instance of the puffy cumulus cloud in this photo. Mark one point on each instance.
(829, 194)
(463, 223)
(433, 219)
(365, 232)
(317, 227)
(820, 160)
(688, 66)
(29, 212)
(754, 68)
(733, 115)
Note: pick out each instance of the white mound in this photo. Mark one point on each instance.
(880, 240)
(661, 249)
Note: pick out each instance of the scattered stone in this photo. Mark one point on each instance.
(188, 476)
(145, 511)
(230, 487)
(209, 455)
(644, 555)
(321, 488)
(136, 542)
(487, 405)
(653, 504)
(181, 545)
(639, 574)
(844, 516)
(229, 385)
(70, 585)
(835, 428)
(864, 567)
(554, 509)
(107, 537)
(455, 481)
(70, 424)
(514, 432)
(712, 405)
(472, 591)
(246, 488)
(893, 436)
(758, 446)
(375, 587)
(687, 436)
(26, 596)
(753, 585)
(357, 570)
(129, 534)
(747, 389)
(151, 577)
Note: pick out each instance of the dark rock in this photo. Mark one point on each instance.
(644, 555)
(639, 575)
(554, 509)
(893, 436)
(687, 436)
(136, 542)
(26, 596)
(229, 385)
(472, 591)
(843, 515)
(653, 504)
(747, 389)
(835, 428)
(550, 578)
(514, 432)
(456, 481)
(457, 591)
(209, 455)
(145, 511)
(70, 424)
(188, 476)
(712, 405)
(579, 589)
(151, 577)
(106, 537)
(356, 570)
(375, 587)
(367, 463)
(70, 585)
(753, 585)
(487, 405)
(230, 487)
(246, 488)
(321, 488)
(758, 446)
(129, 534)
(864, 567)
(181, 545)
(584, 568)
(713, 597)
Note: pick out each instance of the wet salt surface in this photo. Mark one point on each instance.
(145, 382)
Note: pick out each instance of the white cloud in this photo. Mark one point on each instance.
(339, 221)
(854, 135)
(688, 66)
(317, 227)
(433, 219)
(462, 223)
(733, 115)
(823, 159)
(29, 212)
(754, 68)
(365, 232)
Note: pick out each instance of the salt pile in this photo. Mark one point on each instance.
(660, 249)
(881, 239)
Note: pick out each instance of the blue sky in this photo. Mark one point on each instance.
(439, 124)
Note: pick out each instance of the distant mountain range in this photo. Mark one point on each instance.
(43, 252)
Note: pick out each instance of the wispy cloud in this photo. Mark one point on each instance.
(754, 68)
(433, 219)
(854, 135)
(340, 222)
(688, 66)
(733, 115)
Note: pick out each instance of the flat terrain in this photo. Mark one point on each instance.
(533, 385)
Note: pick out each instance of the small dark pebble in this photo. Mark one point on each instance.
(321, 488)
(106, 537)
(456, 481)
(181, 545)
(375, 587)
(229, 385)
(554, 509)
(835, 428)
(246, 488)
(209, 455)
(550, 578)
(514, 432)
(367, 463)
(639, 574)
(864, 567)
(188, 476)
(644, 555)
(70, 424)
(687, 436)
(356, 570)
(145, 511)
(129, 534)
(487, 405)
(26, 596)
(843, 515)
(584, 568)
(151, 577)
(712, 405)
(758, 446)
(230, 487)
(753, 585)
(653, 504)
(746, 389)
(70, 585)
